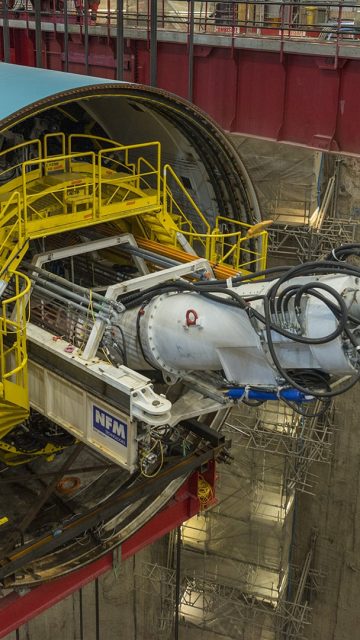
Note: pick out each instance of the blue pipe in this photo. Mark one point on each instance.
(292, 395)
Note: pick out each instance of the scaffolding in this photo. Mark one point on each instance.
(236, 579)
(275, 428)
(300, 242)
(311, 230)
(206, 604)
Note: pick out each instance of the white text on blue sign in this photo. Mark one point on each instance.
(109, 425)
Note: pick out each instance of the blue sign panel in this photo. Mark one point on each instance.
(109, 425)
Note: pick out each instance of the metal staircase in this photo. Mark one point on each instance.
(58, 185)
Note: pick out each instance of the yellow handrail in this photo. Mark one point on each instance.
(126, 149)
(220, 257)
(15, 234)
(13, 326)
(17, 167)
(250, 232)
(42, 162)
(141, 175)
(15, 197)
(89, 136)
(167, 191)
(90, 188)
(168, 169)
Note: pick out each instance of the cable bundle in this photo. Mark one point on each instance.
(276, 303)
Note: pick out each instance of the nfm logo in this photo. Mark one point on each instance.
(109, 425)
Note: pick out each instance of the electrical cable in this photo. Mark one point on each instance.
(344, 251)
(289, 378)
(123, 349)
(155, 473)
(276, 303)
(279, 300)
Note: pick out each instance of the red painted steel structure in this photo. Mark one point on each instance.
(297, 98)
(16, 610)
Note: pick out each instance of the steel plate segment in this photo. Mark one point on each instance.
(16, 610)
(25, 85)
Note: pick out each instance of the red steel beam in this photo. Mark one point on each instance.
(297, 98)
(16, 610)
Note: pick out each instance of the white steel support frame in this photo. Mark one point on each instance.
(143, 283)
(141, 402)
(73, 407)
(87, 247)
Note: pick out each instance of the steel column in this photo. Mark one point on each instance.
(66, 37)
(153, 43)
(86, 36)
(38, 33)
(119, 40)
(191, 51)
(5, 30)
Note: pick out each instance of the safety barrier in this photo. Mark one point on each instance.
(13, 354)
(325, 22)
(56, 192)
(234, 248)
(90, 186)
(176, 211)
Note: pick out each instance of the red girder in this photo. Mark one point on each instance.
(288, 97)
(16, 610)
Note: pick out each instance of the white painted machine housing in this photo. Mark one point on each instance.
(223, 337)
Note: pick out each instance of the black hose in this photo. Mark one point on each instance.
(290, 379)
(277, 302)
(345, 250)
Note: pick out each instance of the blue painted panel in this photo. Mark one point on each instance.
(109, 425)
(22, 86)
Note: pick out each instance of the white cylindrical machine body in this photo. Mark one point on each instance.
(182, 332)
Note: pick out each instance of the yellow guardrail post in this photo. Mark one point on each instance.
(263, 255)
(99, 198)
(2, 360)
(15, 323)
(96, 210)
(165, 189)
(193, 234)
(213, 248)
(158, 176)
(24, 199)
(237, 250)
